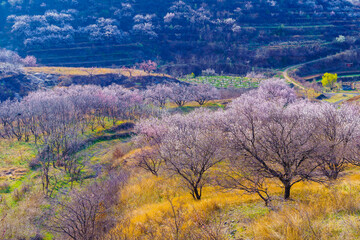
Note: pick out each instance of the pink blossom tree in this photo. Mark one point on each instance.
(202, 93)
(148, 66)
(276, 90)
(338, 132)
(190, 146)
(29, 61)
(274, 140)
(158, 94)
(181, 93)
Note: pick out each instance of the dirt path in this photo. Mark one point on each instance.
(292, 80)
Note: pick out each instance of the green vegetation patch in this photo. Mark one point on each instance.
(15, 153)
(224, 81)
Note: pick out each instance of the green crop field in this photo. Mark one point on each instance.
(224, 81)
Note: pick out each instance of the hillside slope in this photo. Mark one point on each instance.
(183, 36)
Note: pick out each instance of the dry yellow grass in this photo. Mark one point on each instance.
(316, 211)
(339, 97)
(72, 71)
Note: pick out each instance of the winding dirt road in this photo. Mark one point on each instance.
(292, 80)
(301, 87)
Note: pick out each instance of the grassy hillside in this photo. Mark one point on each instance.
(23, 202)
(183, 36)
(154, 205)
(159, 207)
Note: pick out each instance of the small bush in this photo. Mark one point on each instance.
(18, 194)
(65, 81)
(118, 153)
(34, 164)
(4, 187)
(37, 237)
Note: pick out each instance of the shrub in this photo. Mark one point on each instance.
(34, 163)
(65, 81)
(88, 213)
(18, 194)
(37, 237)
(118, 153)
(4, 187)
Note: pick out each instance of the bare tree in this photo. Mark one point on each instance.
(125, 69)
(7, 117)
(90, 72)
(46, 157)
(238, 174)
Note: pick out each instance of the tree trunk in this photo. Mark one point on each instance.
(334, 174)
(196, 193)
(287, 187)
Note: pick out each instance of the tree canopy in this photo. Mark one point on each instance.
(329, 80)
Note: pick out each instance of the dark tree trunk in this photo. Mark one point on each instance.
(287, 187)
(196, 193)
(334, 174)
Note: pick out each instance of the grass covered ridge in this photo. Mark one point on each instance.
(73, 71)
